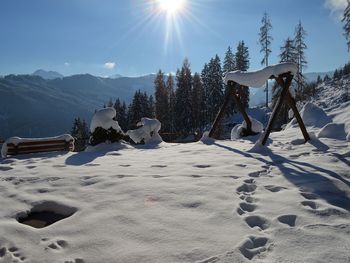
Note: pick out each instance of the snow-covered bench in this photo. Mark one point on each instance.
(283, 74)
(16, 145)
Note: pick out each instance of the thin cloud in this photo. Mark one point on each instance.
(66, 64)
(109, 65)
(337, 7)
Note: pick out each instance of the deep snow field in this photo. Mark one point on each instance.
(211, 201)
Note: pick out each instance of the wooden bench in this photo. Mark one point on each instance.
(26, 146)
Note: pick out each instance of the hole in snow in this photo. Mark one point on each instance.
(45, 213)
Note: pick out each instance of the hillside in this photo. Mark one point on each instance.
(37, 107)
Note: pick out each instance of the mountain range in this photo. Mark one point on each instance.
(45, 103)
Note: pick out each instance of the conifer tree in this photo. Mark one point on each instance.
(319, 79)
(242, 63)
(265, 43)
(170, 89)
(161, 101)
(183, 104)
(288, 51)
(346, 20)
(81, 133)
(229, 65)
(207, 90)
(121, 114)
(197, 103)
(300, 46)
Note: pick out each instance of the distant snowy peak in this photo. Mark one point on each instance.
(48, 74)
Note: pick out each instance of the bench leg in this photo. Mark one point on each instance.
(285, 89)
(243, 112)
(292, 105)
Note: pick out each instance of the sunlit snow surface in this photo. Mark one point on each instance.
(183, 203)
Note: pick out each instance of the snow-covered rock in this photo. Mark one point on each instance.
(333, 131)
(17, 140)
(259, 78)
(104, 119)
(148, 132)
(237, 130)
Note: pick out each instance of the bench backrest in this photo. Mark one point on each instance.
(39, 146)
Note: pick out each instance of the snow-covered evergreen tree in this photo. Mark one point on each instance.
(183, 104)
(172, 99)
(346, 20)
(80, 132)
(300, 46)
(242, 63)
(161, 101)
(265, 39)
(198, 103)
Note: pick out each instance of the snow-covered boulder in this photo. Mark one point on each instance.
(104, 119)
(237, 131)
(104, 128)
(333, 131)
(313, 115)
(148, 132)
(259, 78)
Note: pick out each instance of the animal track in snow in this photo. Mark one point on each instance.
(246, 188)
(287, 219)
(310, 204)
(58, 245)
(274, 188)
(257, 221)
(246, 207)
(13, 253)
(125, 165)
(192, 204)
(253, 246)
(196, 176)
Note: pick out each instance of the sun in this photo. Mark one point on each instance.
(171, 6)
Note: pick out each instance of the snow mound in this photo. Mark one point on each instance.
(314, 116)
(104, 119)
(148, 132)
(18, 140)
(237, 131)
(333, 131)
(259, 78)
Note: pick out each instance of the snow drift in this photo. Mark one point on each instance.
(105, 119)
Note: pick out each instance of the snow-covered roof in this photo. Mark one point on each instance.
(259, 78)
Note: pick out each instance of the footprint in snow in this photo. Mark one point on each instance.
(274, 188)
(253, 246)
(309, 196)
(247, 207)
(202, 166)
(287, 220)
(11, 253)
(313, 205)
(257, 221)
(57, 245)
(76, 260)
(258, 173)
(159, 166)
(5, 168)
(246, 188)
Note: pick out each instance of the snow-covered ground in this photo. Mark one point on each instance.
(213, 202)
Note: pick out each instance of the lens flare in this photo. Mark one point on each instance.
(171, 6)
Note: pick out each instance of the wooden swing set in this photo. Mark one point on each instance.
(284, 80)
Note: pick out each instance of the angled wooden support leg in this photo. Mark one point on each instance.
(243, 112)
(292, 104)
(285, 88)
(221, 113)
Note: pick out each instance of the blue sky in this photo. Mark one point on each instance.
(81, 36)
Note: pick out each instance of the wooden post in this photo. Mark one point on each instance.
(221, 114)
(285, 89)
(292, 105)
(242, 110)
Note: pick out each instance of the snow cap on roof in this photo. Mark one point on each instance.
(259, 78)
